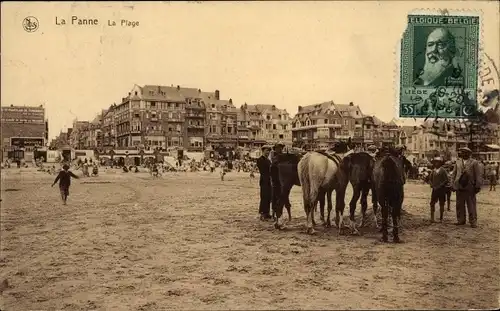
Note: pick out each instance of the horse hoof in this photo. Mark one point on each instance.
(397, 240)
(310, 230)
(355, 232)
(384, 240)
(277, 226)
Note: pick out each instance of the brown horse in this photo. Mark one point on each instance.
(359, 168)
(406, 167)
(388, 179)
(288, 177)
(319, 175)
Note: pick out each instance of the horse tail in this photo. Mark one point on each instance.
(345, 165)
(390, 170)
(309, 192)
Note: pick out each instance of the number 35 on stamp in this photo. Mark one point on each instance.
(439, 66)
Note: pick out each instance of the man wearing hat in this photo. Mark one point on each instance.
(264, 165)
(275, 178)
(466, 180)
(372, 150)
(438, 181)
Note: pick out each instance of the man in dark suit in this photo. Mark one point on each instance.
(275, 177)
(466, 180)
(264, 166)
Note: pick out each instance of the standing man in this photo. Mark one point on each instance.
(264, 166)
(466, 180)
(438, 181)
(275, 177)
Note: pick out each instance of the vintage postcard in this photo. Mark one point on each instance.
(439, 66)
(235, 155)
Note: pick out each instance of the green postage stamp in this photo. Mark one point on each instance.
(438, 67)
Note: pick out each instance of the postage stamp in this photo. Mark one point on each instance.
(439, 66)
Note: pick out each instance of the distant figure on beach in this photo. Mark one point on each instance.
(441, 67)
(64, 178)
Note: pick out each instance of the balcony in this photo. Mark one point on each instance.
(176, 120)
(154, 133)
(193, 126)
(195, 115)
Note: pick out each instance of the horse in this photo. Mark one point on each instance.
(406, 168)
(359, 168)
(388, 180)
(320, 174)
(288, 177)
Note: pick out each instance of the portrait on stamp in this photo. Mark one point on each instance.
(436, 62)
(439, 66)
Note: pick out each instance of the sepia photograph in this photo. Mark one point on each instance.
(250, 155)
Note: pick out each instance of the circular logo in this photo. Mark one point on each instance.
(30, 24)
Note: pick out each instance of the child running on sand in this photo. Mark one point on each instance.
(64, 178)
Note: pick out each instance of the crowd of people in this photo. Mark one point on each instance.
(464, 177)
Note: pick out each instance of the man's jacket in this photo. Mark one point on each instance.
(472, 169)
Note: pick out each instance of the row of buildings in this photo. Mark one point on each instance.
(24, 129)
(162, 117)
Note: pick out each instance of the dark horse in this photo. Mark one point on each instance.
(388, 179)
(406, 168)
(359, 168)
(288, 177)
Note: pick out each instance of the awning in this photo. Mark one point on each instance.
(493, 146)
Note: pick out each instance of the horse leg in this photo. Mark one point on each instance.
(396, 211)
(310, 198)
(364, 203)
(352, 208)
(339, 207)
(375, 206)
(285, 196)
(321, 199)
(385, 215)
(328, 223)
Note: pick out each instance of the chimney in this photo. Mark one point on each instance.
(274, 107)
(300, 108)
(129, 93)
(199, 90)
(217, 94)
(351, 104)
(246, 106)
(231, 101)
(178, 88)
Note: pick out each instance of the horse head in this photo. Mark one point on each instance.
(393, 168)
(340, 147)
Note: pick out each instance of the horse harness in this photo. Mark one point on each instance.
(334, 157)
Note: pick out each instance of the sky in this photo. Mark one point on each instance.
(282, 53)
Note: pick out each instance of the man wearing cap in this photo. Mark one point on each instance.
(275, 178)
(64, 178)
(466, 180)
(264, 165)
(438, 181)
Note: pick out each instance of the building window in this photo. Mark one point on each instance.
(274, 126)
